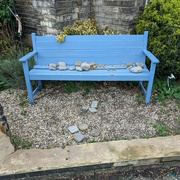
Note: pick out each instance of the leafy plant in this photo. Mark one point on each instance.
(4, 14)
(161, 130)
(161, 19)
(2, 85)
(19, 143)
(71, 87)
(160, 90)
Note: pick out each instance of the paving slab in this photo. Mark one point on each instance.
(6, 148)
(137, 152)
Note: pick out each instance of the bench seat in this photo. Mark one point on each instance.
(92, 75)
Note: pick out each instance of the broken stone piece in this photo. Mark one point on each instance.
(140, 64)
(72, 68)
(78, 64)
(85, 66)
(78, 69)
(129, 64)
(95, 132)
(136, 69)
(94, 104)
(93, 110)
(52, 66)
(83, 127)
(92, 65)
(73, 129)
(78, 137)
(62, 66)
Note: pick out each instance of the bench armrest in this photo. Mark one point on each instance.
(27, 56)
(151, 56)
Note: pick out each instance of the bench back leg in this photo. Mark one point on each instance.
(28, 82)
(40, 85)
(150, 83)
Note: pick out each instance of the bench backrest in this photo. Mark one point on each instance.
(101, 49)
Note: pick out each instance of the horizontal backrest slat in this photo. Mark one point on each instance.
(112, 49)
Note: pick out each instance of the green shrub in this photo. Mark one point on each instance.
(159, 19)
(11, 73)
(4, 14)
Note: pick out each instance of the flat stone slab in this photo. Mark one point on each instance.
(78, 137)
(73, 129)
(6, 148)
(94, 104)
(83, 127)
(93, 110)
(136, 152)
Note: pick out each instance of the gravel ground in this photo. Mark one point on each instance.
(121, 113)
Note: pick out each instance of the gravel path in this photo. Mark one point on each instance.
(120, 114)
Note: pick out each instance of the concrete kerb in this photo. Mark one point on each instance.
(124, 154)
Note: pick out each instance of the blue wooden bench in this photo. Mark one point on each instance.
(100, 49)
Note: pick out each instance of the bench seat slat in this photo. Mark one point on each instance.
(99, 60)
(89, 45)
(93, 75)
(119, 53)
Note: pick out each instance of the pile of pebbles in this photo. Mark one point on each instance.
(79, 66)
(84, 66)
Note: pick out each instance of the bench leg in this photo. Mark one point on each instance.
(40, 85)
(28, 82)
(150, 83)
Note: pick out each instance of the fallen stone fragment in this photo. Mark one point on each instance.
(93, 110)
(136, 69)
(85, 108)
(140, 64)
(83, 127)
(62, 66)
(92, 65)
(73, 129)
(78, 64)
(52, 66)
(78, 69)
(85, 66)
(72, 68)
(129, 64)
(94, 104)
(78, 137)
(95, 132)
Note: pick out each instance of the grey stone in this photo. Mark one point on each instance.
(94, 104)
(62, 66)
(85, 66)
(85, 108)
(92, 110)
(78, 137)
(136, 69)
(140, 64)
(78, 64)
(78, 69)
(95, 132)
(129, 64)
(83, 127)
(52, 66)
(73, 129)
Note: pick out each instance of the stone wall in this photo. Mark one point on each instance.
(47, 17)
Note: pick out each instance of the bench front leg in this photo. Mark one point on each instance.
(150, 83)
(28, 82)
